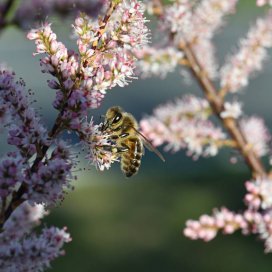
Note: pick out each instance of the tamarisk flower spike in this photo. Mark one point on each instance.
(196, 23)
(184, 124)
(250, 56)
(157, 61)
(249, 222)
(23, 250)
(208, 226)
(25, 130)
(103, 60)
(259, 193)
(49, 183)
(22, 221)
(256, 134)
(34, 252)
(11, 173)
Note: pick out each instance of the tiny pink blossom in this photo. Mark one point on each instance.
(232, 110)
(256, 134)
(252, 52)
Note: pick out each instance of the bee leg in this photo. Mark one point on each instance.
(114, 137)
(107, 148)
(121, 149)
(117, 149)
(124, 147)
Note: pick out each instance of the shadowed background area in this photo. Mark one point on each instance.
(135, 224)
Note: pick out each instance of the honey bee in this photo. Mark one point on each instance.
(123, 130)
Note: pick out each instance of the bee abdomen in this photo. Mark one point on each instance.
(131, 168)
(131, 161)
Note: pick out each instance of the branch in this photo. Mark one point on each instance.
(216, 101)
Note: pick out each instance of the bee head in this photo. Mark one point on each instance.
(113, 118)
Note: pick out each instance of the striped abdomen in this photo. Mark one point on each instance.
(131, 159)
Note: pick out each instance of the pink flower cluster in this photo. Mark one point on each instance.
(250, 56)
(11, 173)
(259, 193)
(157, 61)
(23, 177)
(49, 182)
(193, 22)
(45, 181)
(197, 24)
(184, 124)
(103, 60)
(207, 226)
(249, 222)
(22, 250)
(24, 128)
(256, 134)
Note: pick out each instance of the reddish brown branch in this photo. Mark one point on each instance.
(216, 103)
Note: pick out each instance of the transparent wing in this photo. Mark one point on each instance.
(149, 145)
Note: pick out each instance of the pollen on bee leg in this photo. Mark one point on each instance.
(114, 150)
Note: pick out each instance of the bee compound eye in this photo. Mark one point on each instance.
(117, 118)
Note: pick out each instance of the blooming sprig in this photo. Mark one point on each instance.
(49, 182)
(25, 130)
(250, 56)
(103, 61)
(22, 221)
(184, 124)
(29, 174)
(259, 193)
(11, 173)
(256, 134)
(209, 15)
(249, 222)
(35, 252)
(22, 250)
(206, 227)
(157, 61)
(197, 19)
(196, 23)
(130, 31)
(177, 17)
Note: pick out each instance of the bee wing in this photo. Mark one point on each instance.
(149, 145)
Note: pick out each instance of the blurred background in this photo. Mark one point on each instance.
(135, 224)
